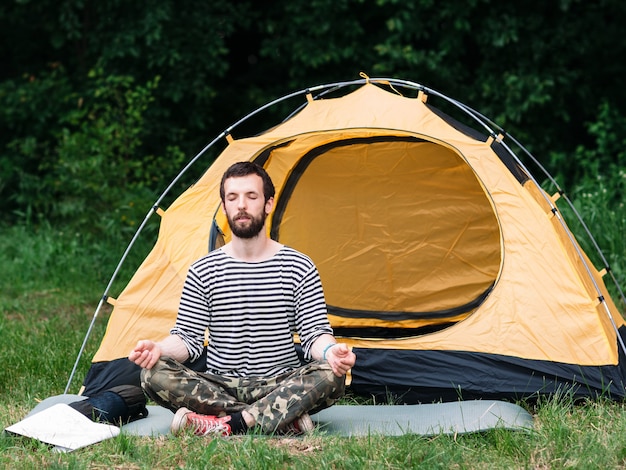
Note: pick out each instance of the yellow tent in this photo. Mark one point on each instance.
(445, 265)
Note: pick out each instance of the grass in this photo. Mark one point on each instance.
(50, 285)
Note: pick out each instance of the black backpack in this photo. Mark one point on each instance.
(118, 405)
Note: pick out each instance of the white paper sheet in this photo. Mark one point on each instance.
(63, 427)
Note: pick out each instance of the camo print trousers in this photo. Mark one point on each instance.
(273, 402)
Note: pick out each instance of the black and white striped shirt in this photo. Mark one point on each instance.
(251, 311)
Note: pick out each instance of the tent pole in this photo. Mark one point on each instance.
(570, 236)
(107, 290)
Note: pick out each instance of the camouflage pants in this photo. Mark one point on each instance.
(273, 402)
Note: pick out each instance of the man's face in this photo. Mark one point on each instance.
(245, 205)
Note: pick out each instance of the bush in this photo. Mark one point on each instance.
(89, 172)
(597, 179)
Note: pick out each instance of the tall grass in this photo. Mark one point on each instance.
(51, 282)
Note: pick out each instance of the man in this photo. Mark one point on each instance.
(252, 295)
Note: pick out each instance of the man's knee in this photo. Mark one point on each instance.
(161, 376)
(339, 386)
(333, 386)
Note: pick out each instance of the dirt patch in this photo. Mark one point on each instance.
(297, 445)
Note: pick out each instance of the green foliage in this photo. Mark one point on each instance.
(102, 102)
(83, 172)
(72, 107)
(605, 160)
(598, 189)
(96, 171)
(29, 110)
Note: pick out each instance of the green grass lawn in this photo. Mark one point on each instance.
(50, 284)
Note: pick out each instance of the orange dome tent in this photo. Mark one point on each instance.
(446, 266)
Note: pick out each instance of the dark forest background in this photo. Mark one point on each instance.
(102, 102)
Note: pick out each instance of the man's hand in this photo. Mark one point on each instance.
(340, 358)
(146, 354)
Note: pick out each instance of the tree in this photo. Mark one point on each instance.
(539, 69)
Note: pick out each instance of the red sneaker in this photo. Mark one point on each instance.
(200, 425)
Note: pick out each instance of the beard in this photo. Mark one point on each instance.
(250, 229)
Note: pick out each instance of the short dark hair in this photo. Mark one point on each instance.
(248, 168)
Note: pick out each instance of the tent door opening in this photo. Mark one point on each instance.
(403, 233)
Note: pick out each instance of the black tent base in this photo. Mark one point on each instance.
(413, 376)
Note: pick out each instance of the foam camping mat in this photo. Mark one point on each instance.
(362, 420)
(425, 419)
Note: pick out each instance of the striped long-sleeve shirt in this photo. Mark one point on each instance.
(251, 311)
